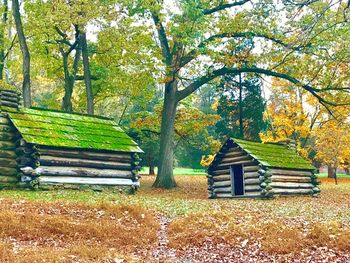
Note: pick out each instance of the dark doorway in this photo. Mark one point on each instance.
(237, 180)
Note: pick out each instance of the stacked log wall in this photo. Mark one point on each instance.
(60, 167)
(291, 182)
(219, 178)
(8, 165)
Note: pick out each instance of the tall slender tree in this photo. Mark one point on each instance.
(87, 72)
(27, 99)
(4, 18)
(69, 74)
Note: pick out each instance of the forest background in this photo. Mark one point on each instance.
(182, 76)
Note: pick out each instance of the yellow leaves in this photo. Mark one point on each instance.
(5, 85)
(303, 153)
(289, 113)
(189, 121)
(215, 105)
(207, 160)
(332, 144)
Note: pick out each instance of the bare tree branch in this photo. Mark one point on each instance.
(79, 77)
(11, 46)
(299, 3)
(224, 70)
(193, 53)
(224, 6)
(65, 40)
(162, 39)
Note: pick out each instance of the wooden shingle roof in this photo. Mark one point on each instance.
(272, 155)
(61, 129)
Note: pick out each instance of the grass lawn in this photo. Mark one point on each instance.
(180, 171)
(325, 175)
(181, 224)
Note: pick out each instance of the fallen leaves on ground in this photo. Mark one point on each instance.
(179, 225)
(58, 232)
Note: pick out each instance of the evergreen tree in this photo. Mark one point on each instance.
(241, 107)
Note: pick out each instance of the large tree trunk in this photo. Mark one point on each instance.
(68, 85)
(69, 79)
(67, 98)
(151, 164)
(165, 177)
(2, 37)
(151, 169)
(87, 73)
(331, 172)
(27, 100)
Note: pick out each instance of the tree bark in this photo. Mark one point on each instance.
(68, 89)
(69, 78)
(27, 101)
(151, 169)
(87, 74)
(151, 164)
(331, 172)
(241, 132)
(2, 37)
(165, 178)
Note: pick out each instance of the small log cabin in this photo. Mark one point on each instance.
(48, 148)
(250, 169)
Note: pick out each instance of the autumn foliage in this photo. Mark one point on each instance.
(333, 140)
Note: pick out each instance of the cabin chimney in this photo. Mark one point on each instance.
(9, 98)
(289, 143)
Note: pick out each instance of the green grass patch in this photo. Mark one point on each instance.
(179, 171)
(340, 175)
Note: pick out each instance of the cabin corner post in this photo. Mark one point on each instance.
(211, 193)
(265, 182)
(135, 168)
(27, 161)
(314, 180)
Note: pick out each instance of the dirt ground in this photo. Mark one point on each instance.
(179, 225)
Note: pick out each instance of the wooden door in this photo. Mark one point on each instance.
(237, 179)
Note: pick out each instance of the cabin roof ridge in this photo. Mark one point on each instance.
(267, 154)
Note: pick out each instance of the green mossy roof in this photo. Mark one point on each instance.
(60, 129)
(273, 155)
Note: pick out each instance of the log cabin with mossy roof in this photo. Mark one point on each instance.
(47, 148)
(250, 169)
